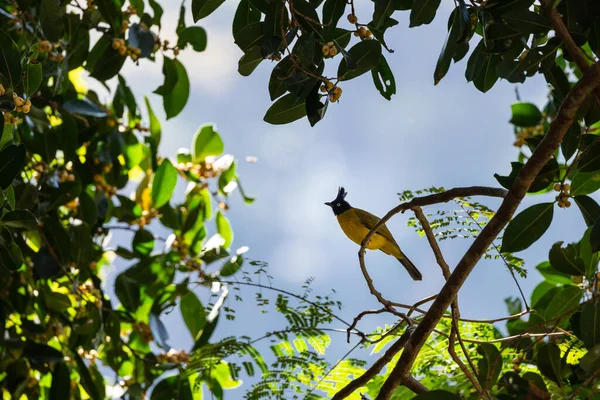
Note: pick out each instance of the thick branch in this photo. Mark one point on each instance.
(542, 154)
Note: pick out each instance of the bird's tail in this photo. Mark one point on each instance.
(410, 267)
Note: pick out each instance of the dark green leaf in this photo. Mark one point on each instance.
(570, 142)
(513, 304)
(10, 63)
(501, 7)
(61, 382)
(51, 19)
(104, 62)
(203, 8)
(436, 395)
(590, 210)
(590, 160)
(315, 109)
(57, 237)
(158, 12)
(20, 219)
(250, 35)
(163, 183)
(88, 209)
(552, 275)
(10, 254)
(232, 265)
(339, 36)
(307, 16)
(449, 48)
(481, 68)
(525, 114)
(549, 361)
(194, 35)
(111, 12)
(383, 79)
(383, 10)
(366, 55)
(585, 183)
(333, 10)
(250, 60)
(594, 37)
(511, 71)
(282, 71)
(245, 15)
(423, 12)
(589, 324)
(224, 229)
(489, 365)
(566, 260)
(67, 136)
(87, 382)
(56, 301)
(175, 99)
(193, 314)
(559, 81)
(285, 110)
(12, 159)
(143, 242)
(563, 303)
(595, 236)
(84, 107)
(33, 78)
(207, 142)
(40, 353)
(527, 227)
(128, 292)
(526, 21)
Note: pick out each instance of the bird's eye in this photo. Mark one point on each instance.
(338, 204)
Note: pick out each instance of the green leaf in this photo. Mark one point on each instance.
(20, 219)
(87, 382)
(563, 303)
(55, 301)
(7, 134)
(595, 236)
(423, 12)
(590, 210)
(589, 324)
(307, 16)
(436, 395)
(207, 142)
(526, 21)
(245, 15)
(84, 107)
(61, 382)
(234, 263)
(525, 114)
(194, 35)
(142, 38)
(250, 60)
(10, 254)
(163, 183)
(203, 8)
(57, 238)
(224, 229)
(449, 48)
(143, 242)
(155, 128)
(566, 260)
(571, 140)
(12, 159)
(594, 37)
(281, 72)
(193, 314)
(176, 98)
(88, 210)
(549, 361)
(366, 54)
(489, 365)
(111, 12)
(506, 6)
(285, 110)
(481, 68)
(315, 109)
(104, 62)
(590, 160)
(67, 136)
(10, 63)
(158, 12)
(128, 292)
(339, 36)
(383, 79)
(383, 10)
(333, 10)
(527, 227)
(51, 19)
(585, 183)
(552, 275)
(250, 35)
(33, 78)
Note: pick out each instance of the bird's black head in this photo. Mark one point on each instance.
(339, 205)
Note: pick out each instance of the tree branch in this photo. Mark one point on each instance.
(544, 151)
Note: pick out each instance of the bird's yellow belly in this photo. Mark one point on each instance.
(357, 232)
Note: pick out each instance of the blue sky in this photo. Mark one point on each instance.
(446, 135)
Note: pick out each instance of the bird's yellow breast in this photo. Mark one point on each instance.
(356, 231)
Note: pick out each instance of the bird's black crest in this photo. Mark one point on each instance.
(341, 194)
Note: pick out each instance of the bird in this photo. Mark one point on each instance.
(357, 223)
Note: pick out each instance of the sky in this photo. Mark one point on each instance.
(447, 135)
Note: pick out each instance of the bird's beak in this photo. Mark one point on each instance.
(328, 204)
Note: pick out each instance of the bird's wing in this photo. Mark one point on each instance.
(369, 220)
